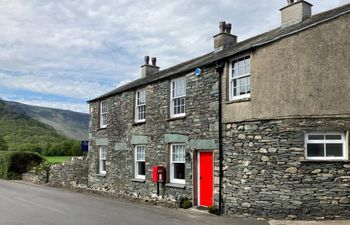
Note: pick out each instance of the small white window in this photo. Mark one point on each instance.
(178, 97)
(140, 166)
(325, 146)
(103, 114)
(240, 78)
(140, 110)
(177, 162)
(102, 160)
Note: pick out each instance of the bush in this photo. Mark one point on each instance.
(14, 164)
(185, 203)
(214, 210)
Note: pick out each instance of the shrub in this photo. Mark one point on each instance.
(213, 210)
(14, 164)
(185, 203)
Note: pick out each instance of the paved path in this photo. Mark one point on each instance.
(27, 204)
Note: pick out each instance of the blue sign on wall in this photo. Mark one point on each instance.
(85, 146)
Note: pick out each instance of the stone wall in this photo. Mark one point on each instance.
(72, 174)
(266, 174)
(198, 129)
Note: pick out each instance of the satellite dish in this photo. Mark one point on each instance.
(198, 72)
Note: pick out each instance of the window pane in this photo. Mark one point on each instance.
(335, 150)
(140, 154)
(315, 150)
(333, 137)
(234, 73)
(179, 170)
(316, 137)
(141, 168)
(178, 153)
(103, 166)
(241, 63)
(247, 61)
(241, 71)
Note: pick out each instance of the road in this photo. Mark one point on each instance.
(29, 204)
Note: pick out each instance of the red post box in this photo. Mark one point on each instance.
(158, 174)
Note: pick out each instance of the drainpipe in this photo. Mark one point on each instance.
(219, 67)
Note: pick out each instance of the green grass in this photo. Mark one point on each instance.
(57, 159)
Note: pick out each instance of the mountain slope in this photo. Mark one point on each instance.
(20, 131)
(71, 124)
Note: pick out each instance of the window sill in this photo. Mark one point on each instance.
(173, 185)
(325, 161)
(101, 175)
(139, 123)
(176, 118)
(138, 180)
(102, 128)
(238, 100)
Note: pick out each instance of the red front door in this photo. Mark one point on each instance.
(206, 179)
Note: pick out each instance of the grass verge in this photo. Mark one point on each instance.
(57, 159)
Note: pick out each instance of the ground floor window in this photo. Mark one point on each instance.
(177, 158)
(102, 160)
(140, 167)
(325, 146)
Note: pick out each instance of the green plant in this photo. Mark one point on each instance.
(14, 164)
(213, 210)
(185, 203)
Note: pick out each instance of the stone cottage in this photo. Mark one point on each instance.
(258, 127)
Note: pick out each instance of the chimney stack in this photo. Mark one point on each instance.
(295, 12)
(148, 69)
(224, 38)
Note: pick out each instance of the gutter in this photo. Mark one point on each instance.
(219, 67)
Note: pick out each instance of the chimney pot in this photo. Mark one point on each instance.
(228, 28)
(154, 61)
(146, 60)
(222, 26)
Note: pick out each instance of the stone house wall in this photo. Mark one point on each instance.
(266, 174)
(198, 130)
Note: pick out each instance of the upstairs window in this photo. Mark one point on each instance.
(178, 97)
(140, 111)
(240, 78)
(325, 146)
(103, 114)
(140, 166)
(102, 160)
(177, 168)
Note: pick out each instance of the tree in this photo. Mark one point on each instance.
(3, 144)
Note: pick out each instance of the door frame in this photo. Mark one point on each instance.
(198, 175)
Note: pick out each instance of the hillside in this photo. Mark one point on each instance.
(68, 123)
(20, 131)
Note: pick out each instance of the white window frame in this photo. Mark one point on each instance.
(172, 179)
(172, 98)
(137, 147)
(344, 141)
(138, 106)
(102, 157)
(231, 79)
(103, 114)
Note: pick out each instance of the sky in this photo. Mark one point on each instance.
(62, 53)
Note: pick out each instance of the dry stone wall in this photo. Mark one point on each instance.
(266, 174)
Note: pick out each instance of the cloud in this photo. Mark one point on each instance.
(81, 49)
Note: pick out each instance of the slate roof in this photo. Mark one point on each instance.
(229, 51)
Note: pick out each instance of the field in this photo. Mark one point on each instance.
(57, 159)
